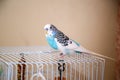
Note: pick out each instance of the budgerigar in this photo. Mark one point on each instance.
(59, 41)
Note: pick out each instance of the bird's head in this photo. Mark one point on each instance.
(51, 29)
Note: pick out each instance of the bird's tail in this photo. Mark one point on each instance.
(82, 49)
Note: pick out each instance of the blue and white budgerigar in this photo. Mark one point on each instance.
(59, 41)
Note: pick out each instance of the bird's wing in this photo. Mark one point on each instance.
(71, 44)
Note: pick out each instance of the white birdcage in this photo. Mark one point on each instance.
(38, 63)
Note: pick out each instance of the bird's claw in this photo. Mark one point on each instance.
(61, 54)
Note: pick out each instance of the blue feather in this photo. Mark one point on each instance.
(51, 42)
(76, 43)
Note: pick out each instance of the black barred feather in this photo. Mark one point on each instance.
(61, 38)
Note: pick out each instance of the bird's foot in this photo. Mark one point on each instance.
(62, 55)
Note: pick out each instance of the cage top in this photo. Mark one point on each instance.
(42, 55)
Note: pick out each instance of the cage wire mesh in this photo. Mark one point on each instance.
(38, 63)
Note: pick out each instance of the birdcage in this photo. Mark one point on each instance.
(38, 63)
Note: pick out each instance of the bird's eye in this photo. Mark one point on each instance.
(50, 27)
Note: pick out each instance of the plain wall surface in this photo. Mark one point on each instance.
(90, 22)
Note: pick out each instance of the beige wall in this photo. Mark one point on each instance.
(90, 22)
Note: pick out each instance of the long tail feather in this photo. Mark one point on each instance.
(82, 49)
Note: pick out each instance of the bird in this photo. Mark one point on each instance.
(59, 41)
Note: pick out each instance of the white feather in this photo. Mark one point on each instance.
(84, 50)
(73, 46)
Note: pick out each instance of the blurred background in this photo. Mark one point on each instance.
(92, 23)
